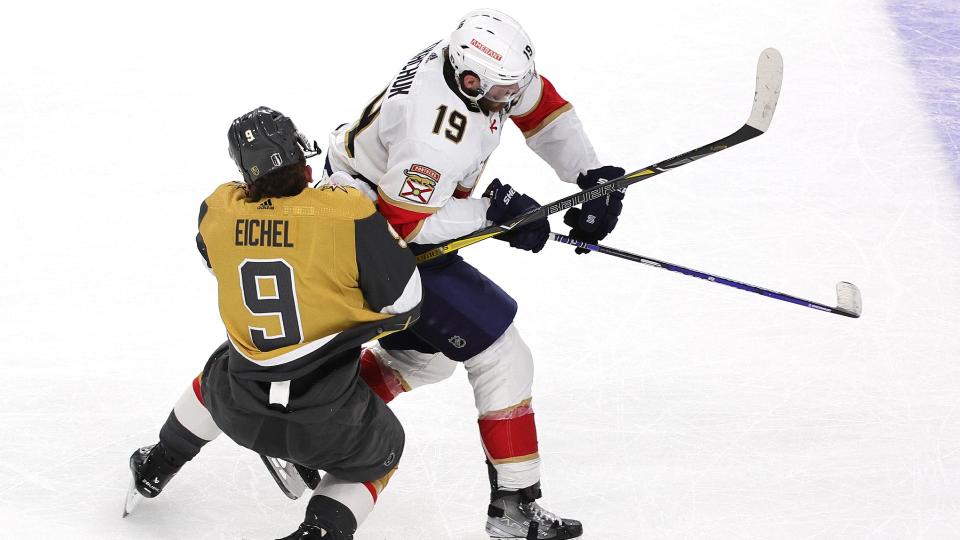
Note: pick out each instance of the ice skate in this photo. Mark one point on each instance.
(310, 532)
(515, 515)
(291, 478)
(150, 473)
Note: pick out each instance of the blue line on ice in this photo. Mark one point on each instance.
(930, 31)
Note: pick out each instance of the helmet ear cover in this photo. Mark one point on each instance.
(471, 92)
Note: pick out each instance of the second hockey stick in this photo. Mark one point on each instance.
(848, 295)
(769, 80)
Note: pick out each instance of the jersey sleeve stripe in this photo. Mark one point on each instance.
(406, 219)
(409, 207)
(414, 231)
(549, 106)
(546, 121)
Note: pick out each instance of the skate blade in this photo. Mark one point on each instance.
(133, 498)
(286, 476)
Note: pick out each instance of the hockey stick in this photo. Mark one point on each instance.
(769, 79)
(848, 295)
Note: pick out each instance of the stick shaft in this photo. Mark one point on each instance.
(649, 261)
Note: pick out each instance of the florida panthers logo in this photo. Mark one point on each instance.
(419, 184)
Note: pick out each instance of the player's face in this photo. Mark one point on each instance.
(502, 93)
(492, 106)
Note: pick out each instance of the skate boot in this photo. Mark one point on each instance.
(515, 515)
(308, 532)
(327, 519)
(151, 471)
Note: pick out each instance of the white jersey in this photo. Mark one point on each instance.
(423, 146)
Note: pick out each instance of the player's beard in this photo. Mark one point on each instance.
(488, 105)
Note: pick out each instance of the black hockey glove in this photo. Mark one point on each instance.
(506, 203)
(598, 217)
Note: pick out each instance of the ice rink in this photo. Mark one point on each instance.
(667, 407)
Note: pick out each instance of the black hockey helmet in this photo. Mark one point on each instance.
(264, 140)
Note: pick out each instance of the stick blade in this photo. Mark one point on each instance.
(769, 80)
(848, 299)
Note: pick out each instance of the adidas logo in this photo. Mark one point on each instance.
(266, 205)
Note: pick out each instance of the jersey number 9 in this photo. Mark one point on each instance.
(269, 290)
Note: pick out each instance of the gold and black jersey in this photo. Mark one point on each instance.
(305, 277)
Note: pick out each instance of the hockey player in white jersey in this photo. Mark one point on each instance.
(418, 149)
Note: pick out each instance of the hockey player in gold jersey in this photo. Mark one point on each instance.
(304, 277)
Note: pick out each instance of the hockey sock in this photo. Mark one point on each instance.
(335, 518)
(188, 427)
(341, 506)
(384, 381)
(510, 441)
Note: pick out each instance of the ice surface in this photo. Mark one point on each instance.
(667, 407)
(930, 31)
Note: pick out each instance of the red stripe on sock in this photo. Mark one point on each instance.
(196, 390)
(509, 438)
(373, 491)
(371, 374)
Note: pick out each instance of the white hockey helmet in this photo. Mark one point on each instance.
(495, 48)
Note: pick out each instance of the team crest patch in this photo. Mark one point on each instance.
(419, 184)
